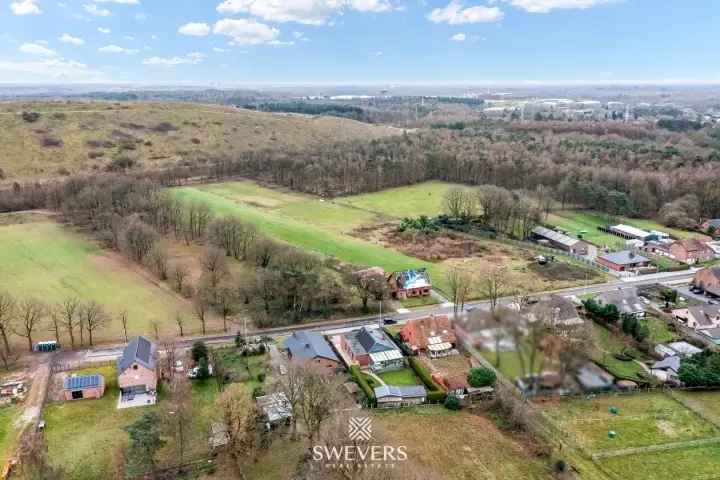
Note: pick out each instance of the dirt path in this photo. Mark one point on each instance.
(36, 397)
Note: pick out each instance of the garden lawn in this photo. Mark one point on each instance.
(45, 260)
(324, 240)
(406, 376)
(459, 445)
(411, 201)
(85, 437)
(8, 415)
(609, 344)
(679, 464)
(644, 419)
(659, 331)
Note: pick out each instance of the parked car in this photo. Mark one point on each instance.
(193, 372)
(389, 321)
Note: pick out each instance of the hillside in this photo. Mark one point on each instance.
(69, 137)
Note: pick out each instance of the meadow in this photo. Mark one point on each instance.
(585, 223)
(414, 200)
(70, 137)
(43, 259)
(8, 415)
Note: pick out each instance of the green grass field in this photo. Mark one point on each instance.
(48, 261)
(575, 222)
(659, 331)
(325, 237)
(644, 419)
(680, 464)
(705, 402)
(8, 415)
(411, 201)
(85, 438)
(406, 376)
(610, 344)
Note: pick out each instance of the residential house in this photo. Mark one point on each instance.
(433, 335)
(310, 347)
(680, 349)
(666, 369)
(480, 327)
(700, 317)
(626, 300)
(138, 368)
(709, 280)
(392, 396)
(409, 283)
(78, 387)
(372, 348)
(623, 261)
(276, 408)
(454, 385)
(691, 251)
(556, 310)
(560, 241)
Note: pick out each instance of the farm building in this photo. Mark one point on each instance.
(137, 372)
(691, 251)
(626, 300)
(709, 280)
(628, 232)
(372, 348)
(560, 241)
(306, 346)
(78, 387)
(624, 261)
(409, 283)
(433, 335)
(390, 396)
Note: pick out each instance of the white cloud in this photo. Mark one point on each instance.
(121, 2)
(246, 32)
(189, 59)
(195, 29)
(105, 31)
(129, 38)
(458, 37)
(116, 49)
(93, 10)
(310, 12)
(67, 38)
(545, 6)
(36, 49)
(154, 37)
(219, 50)
(41, 70)
(25, 7)
(455, 14)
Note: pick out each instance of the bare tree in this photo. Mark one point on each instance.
(368, 285)
(242, 418)
(180, 322)
(124, 322)
(200, 307)
(94, 317)
(178, 415)
(69, 309)
(7, 317)
(292, 386)
(493, 284)
(227, 300)
(179, 275)
(320, 397)
(31, 312)
(460, 283)
(56, 322)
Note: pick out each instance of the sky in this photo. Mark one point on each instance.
(323, 42)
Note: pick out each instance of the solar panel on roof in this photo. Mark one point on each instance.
(143, 351)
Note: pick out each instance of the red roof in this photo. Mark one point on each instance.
(416, 332)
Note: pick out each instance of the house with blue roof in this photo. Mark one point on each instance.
(308, 347)
(78, 387)
(410, 283)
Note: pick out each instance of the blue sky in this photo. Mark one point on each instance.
(227, 42)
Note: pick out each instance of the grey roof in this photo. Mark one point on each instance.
(625, 257)
(80, 382)
(139, 350)
(560, 309)
(626, 300)
(668, 363)
(704, 314)
(374, 340)
(306, 345)
(592, 377)
(556, 237)
(403, 391)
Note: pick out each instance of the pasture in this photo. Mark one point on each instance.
(411, 201)
(40, 258)
(663, 429)
(8, 415)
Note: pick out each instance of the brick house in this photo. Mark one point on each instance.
(78, 387)
(137, 368)
(709, 280)
(701, 317)
(306, 347)
(372, 348)
(624, 261)
(433, 335)
(409, 283)
(691, 251)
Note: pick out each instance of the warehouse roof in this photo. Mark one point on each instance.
(557, 237)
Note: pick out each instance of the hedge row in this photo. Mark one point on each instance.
(435, 392)
(360, 380)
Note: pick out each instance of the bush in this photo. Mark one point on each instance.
(199, 350)
(481, 377)
(30, 117)
(452, 403)
(360, 380)
(258, 392)
(203, 371)
(261, 377)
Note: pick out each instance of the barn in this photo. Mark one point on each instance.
(78, 387)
